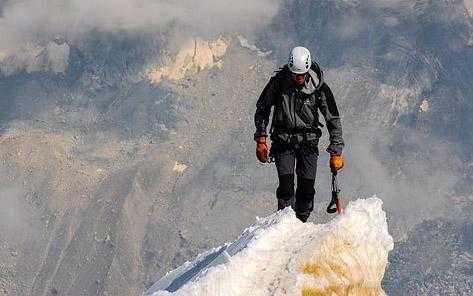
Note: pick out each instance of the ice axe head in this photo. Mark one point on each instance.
(335, 204)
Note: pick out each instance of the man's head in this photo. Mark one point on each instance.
(299, 63)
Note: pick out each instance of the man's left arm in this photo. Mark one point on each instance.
(329, 110)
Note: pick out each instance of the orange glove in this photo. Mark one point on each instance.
(261, 149)
(336, 163)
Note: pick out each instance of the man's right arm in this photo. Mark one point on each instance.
(263, 108)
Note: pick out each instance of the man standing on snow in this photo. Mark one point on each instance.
(297, 91)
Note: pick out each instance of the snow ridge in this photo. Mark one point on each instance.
(280, 255)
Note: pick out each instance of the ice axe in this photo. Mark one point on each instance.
(335, 204)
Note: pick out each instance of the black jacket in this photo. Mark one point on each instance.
(296, 108)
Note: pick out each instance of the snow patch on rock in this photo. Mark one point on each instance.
(424, 106)
(179, 167)
(246, 44)
(195, 56)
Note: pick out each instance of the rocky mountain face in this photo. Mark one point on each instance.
(123, 157)
(436, 260)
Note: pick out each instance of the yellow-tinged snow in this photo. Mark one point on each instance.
(280, 255)
(352, 257)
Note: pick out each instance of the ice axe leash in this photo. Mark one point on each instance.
(335, 204)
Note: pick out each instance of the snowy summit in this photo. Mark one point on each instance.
(280, 255)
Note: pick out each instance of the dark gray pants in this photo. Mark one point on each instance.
(303, 159)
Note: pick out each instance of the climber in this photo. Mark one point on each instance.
(296, 92)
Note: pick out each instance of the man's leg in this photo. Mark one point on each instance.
(285, 192)
(304, 198)
(306, 171)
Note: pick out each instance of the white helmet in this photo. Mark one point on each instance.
(299, 60)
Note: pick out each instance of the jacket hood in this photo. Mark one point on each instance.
(315, 81)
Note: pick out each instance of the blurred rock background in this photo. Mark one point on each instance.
(126, 139)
